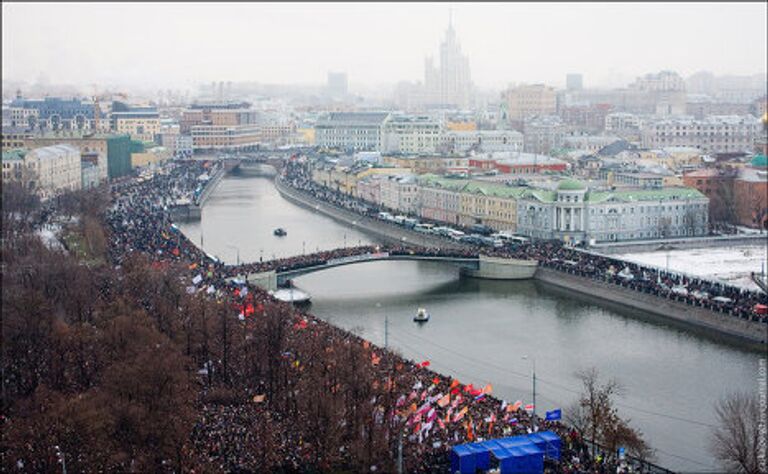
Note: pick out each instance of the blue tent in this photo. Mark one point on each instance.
(463, 459)
(515, 454)
(534, 457)
(482, 455)
(549, 442)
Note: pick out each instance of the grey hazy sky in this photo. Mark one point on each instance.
(173, 43)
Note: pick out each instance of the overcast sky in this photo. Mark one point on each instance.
(182, 44)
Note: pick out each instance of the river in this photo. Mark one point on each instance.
(480, 330)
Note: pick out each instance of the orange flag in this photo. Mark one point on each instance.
(488, 389)
(455, 383)
(515, 406)
(470, 433)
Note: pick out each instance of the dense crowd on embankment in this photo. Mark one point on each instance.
(719, 297)
(156, 361)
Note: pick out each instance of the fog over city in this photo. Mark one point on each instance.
(172, 45)
(415, 238)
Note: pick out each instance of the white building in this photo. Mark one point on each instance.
(573, 213)
(409, 134)
(543, 134)
(482, 140)
(48, 170)
(399, 193)
(714, 134)
(351, 130)
(622, 122)
(449, 84)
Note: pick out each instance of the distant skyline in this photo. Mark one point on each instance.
(180, 45)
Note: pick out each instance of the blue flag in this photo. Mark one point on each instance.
(554, 415)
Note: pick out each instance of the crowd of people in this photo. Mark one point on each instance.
(427, 412)
(698, 292)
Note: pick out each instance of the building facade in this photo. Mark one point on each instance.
(572, 213)
(48, 171)
(526, 101)
(360, 131)
(482, 140)
(715, 134)
(543, 134)
(416, 135)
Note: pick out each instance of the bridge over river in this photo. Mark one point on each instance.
(475, 266)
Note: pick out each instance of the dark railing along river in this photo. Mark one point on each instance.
(480, 330)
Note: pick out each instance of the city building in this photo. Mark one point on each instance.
(664, 93)
(93, 146)
(517, 163)
(141, 123)
(438, 164)
(526, 101)
(467, 202)
(482, 140)
(351, 130)
(47, 170)
(623, 124)
(750, 193)
(149, 157)
(222, 126)
(543, 134)
(53, 113)
(411, 134)
(715, 134)
(573, 213)
(14, 137)
(399, 193)
(449, 84)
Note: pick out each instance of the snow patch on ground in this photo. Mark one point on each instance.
(730, 265)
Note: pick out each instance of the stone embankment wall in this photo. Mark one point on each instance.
(680, 244)
(746, 333)
(383, 231)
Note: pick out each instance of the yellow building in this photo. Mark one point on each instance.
(345, 179)
(139, 125)
(461, 126)
(429, 164)
(307, 135)
(480, 202)
(149, 157)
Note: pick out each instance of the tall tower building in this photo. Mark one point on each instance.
(450, 83)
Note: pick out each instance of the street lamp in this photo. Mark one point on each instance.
(533, 377)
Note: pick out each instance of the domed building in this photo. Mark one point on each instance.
(573, 213)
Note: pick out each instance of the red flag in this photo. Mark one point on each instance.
(424, 364)
(436, 380)
(455, 391)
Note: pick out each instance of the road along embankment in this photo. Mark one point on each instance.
(745, 333)
(383, 231)
(748, 334)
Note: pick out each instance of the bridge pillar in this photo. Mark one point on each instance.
(495, 268)
(264, 280)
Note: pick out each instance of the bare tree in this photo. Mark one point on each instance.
(736, 439)
(599, 417)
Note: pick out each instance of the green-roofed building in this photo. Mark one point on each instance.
(575, 214)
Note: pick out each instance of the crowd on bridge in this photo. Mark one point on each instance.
(697, 292)
(433, 411)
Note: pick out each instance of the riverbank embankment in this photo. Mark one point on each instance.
(751, 334)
